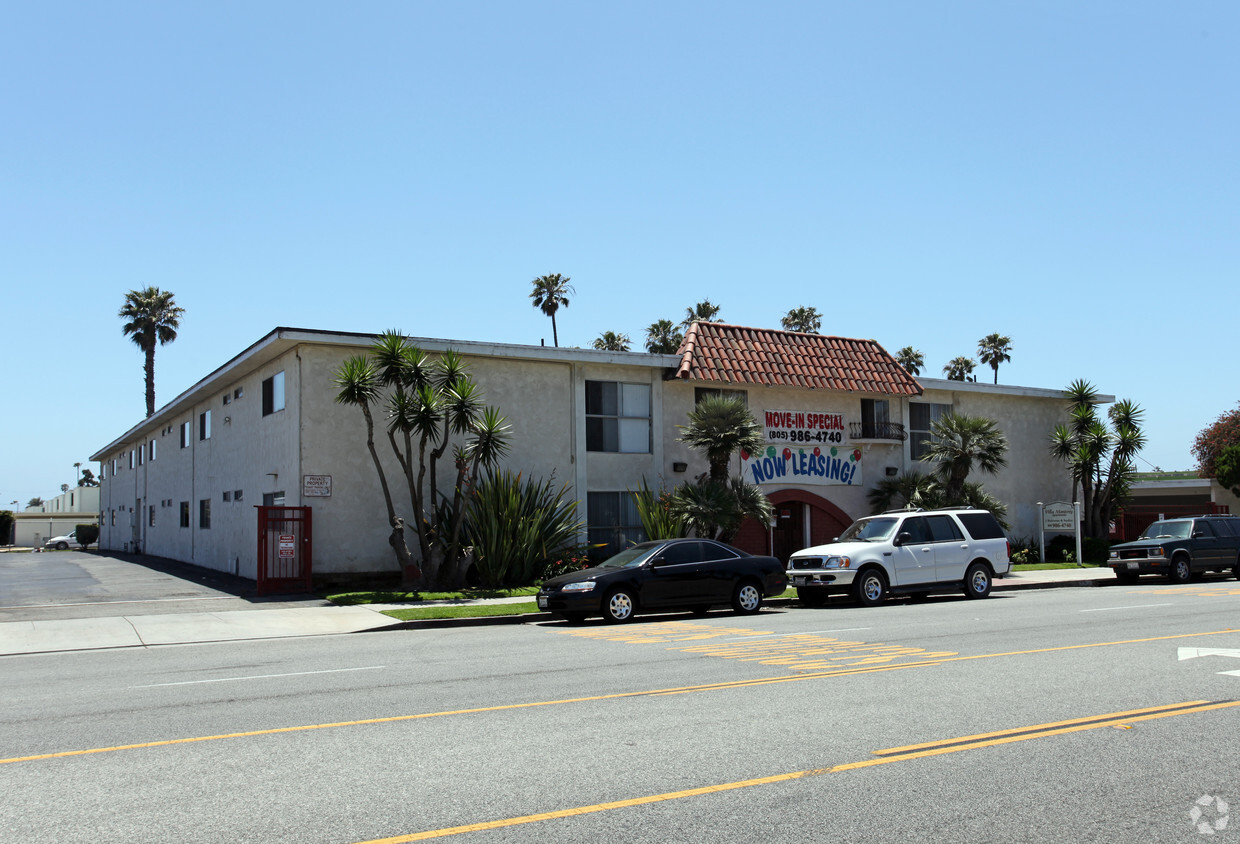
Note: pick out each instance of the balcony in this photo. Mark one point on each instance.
(877, 431)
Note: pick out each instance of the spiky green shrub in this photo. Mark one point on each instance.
(655, 510)
(516, 526)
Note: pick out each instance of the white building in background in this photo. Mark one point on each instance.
(265, 428)
(56, 516)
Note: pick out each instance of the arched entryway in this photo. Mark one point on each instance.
(801, 519)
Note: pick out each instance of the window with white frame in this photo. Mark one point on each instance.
(186, 427)
(151, 449)
(617, 417)
(204, 425)
(921, 418)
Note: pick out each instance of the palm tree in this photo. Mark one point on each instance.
(549, 294)
(961, 442)
(805, 320)
(361, 384)
(719, 427)
(610, 341)
(911, 360)
(663, 338)
(153, 317)
(1100, 458)
(960, 369)
(993, 349)
(703, 311)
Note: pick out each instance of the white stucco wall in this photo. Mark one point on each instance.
(540, 390)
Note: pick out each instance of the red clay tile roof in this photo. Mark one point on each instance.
(734, 354)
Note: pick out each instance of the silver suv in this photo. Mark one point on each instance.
(905, 551)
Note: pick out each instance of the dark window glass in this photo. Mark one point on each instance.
(981, 525)
(943, 529)
(184, 514)
(917, 529)
(204, 514)
(682, 552)
(614, 523)
(715, 551)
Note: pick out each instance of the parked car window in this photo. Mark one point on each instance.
(715, 551)
(682, 552)
(869, 529)
(1168, 530)
(982, 526)
(1225, 527)
(1202, 526)
(917, 529)
(943, 529)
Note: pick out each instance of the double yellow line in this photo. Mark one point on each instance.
(885, 757)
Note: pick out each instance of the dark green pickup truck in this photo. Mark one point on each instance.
(1180, 549)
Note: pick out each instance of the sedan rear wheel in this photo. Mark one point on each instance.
(619, 606)
(747, 599)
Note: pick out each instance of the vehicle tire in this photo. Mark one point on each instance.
(1181, 570)
(62, 546)
(870, 587)
(619, 606)
(977, 581)
(812, 596)
(747, 597)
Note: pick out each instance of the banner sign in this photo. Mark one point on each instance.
(816, 465)
(803, 426)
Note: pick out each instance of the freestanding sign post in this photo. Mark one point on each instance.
(1060, 517)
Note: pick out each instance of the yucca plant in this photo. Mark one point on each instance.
(516, 525)
(655, 511)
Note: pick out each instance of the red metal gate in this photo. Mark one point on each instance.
(284, 548)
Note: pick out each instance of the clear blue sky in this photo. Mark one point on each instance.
(923, 174)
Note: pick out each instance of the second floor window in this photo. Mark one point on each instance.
(921, 416)
(273, 394)
(617, 417)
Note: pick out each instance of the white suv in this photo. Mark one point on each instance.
(905, 551)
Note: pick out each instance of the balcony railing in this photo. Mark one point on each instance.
(877, 431)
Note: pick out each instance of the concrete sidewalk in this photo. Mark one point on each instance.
(135, 631)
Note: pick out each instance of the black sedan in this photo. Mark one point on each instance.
(667, 574)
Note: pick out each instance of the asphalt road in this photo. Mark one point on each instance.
(1052, 715)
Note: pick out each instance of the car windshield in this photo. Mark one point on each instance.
(1168, 530)
(867, 530)
(631, 557)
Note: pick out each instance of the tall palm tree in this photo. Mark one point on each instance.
(663, 338)
(610, 341)
(153, 317)
(550, 293)
(803, 319)
(911, 360)
(703, 311)
(960, 443)
(994, 349)
(960, 369)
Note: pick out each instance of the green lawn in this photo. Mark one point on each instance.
(348, 599)
(467, 611)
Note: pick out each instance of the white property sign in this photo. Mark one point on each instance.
(316, 486)
(1060, 517)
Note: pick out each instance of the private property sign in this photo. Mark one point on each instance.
(287, 546)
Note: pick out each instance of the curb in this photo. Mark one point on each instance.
(528, 618)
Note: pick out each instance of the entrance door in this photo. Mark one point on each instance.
(789, 530)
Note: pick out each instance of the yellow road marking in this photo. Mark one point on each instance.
(735, 684)
(894, 755)
(708, 687)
